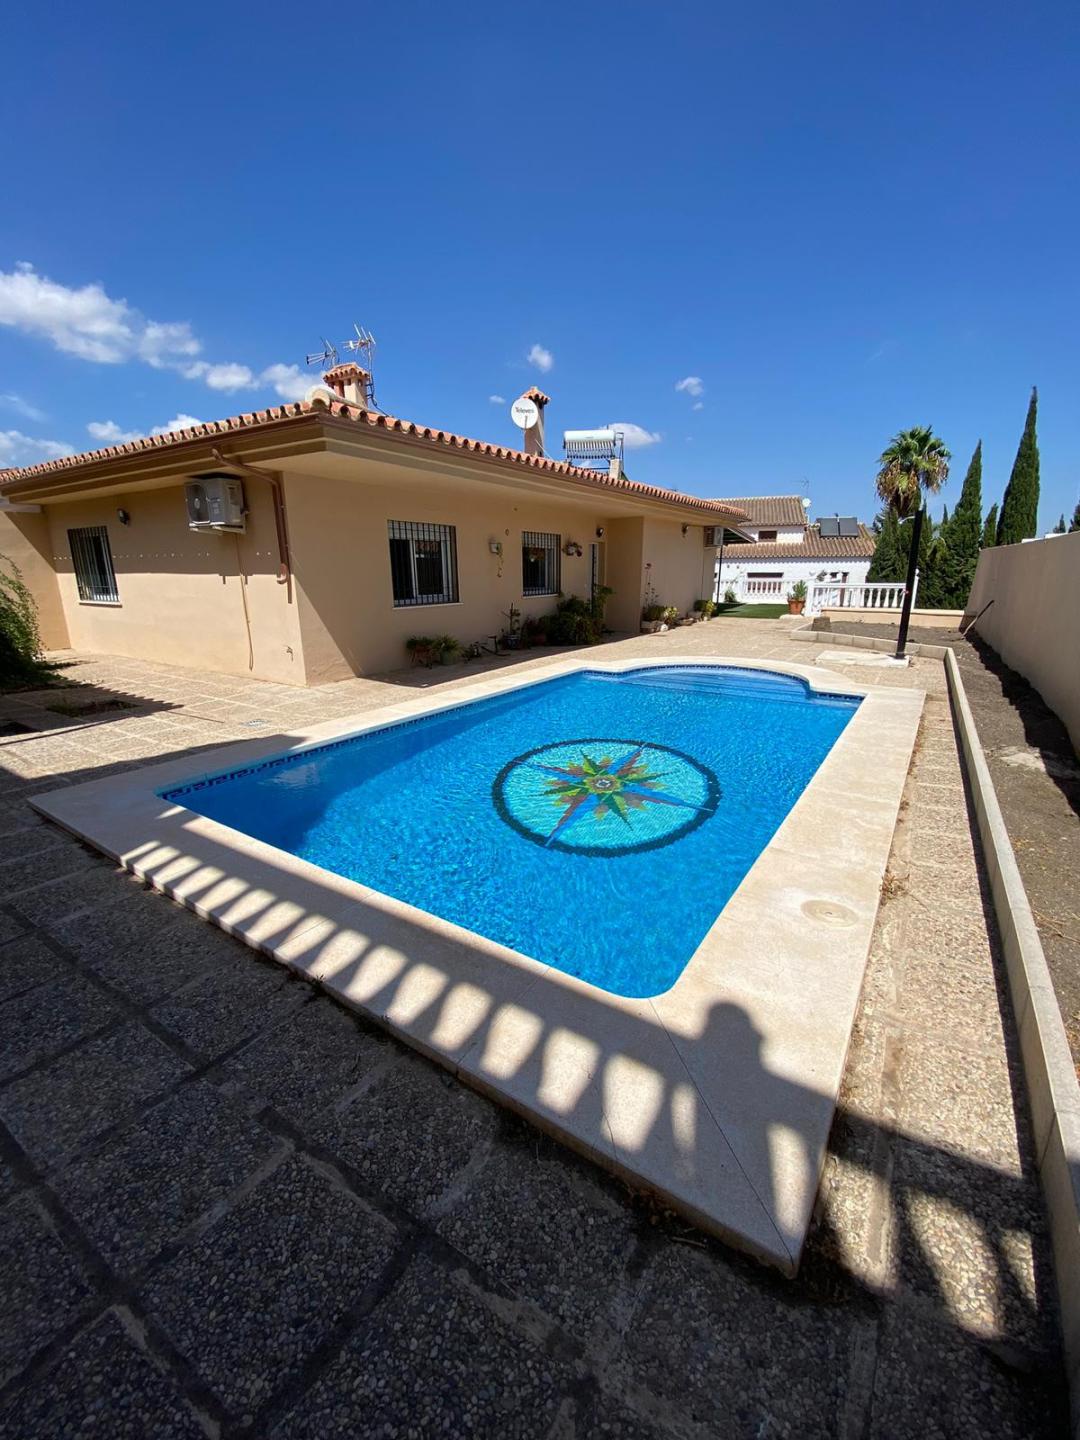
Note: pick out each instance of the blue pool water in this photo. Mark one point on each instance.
(595, 822)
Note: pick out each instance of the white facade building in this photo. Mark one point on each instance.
(786, 547)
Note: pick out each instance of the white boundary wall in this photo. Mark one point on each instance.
(1034, 621)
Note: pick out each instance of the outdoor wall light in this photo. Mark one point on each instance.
(123, 517)
(495, 546)
(599, 532)
(686, 529)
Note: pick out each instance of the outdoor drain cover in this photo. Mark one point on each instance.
(829, 913)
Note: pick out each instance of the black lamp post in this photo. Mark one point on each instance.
(909, 587)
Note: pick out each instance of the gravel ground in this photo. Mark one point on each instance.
(1036, 774)
(230, 1209)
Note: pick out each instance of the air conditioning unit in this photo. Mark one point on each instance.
(215, 502)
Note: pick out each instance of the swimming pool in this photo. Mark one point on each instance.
(598, 822)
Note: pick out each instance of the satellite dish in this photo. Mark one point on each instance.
(806, 503)
(524, 413)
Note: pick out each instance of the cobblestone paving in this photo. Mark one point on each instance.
(230, 1209)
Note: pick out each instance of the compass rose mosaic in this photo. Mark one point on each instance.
(605, 797)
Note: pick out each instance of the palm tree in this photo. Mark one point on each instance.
(914, 463)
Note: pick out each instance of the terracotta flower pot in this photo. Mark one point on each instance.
(795, 607)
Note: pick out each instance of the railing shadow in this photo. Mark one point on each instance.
(543, 1049)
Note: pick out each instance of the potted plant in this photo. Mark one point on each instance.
(796, 598)
(423, 650)
(535, 630)
(446, 648)
(653, 618)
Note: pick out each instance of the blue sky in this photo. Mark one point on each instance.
(840, 219)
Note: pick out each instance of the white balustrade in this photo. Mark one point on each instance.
(840, 595)
(758, 588)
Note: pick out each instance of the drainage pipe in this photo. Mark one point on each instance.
(278, 493)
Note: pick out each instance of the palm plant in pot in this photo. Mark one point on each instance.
(796, 598)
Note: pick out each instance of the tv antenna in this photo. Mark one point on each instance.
(326, 358)
(362, 347)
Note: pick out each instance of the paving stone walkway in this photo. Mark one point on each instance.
(228, 1208)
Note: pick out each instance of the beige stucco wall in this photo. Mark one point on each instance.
(181, 592)
(348, 621)
(24, 539)
(338, 531)
(1032, 623)
(623, 540)
(682, 569)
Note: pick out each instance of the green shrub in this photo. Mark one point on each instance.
(574, 623)
(20, 640)
(704, 607)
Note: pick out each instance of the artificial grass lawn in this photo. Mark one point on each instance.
(752, 612)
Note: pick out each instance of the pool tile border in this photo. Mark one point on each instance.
(718, 1095)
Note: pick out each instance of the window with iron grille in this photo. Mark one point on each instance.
(92, 559)
(539, 563)
(423, 563)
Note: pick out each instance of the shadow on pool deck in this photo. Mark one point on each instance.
(910, 1233)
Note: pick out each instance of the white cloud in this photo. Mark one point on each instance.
(634, 437)
(698, 405)
(691, 385)
(229, 377)
(290, 382)
(110, 433)
(178, 422)
(88, 323)
(162, 346)
(497, 399)
(19, 449)
(21, 407)
(542, 358)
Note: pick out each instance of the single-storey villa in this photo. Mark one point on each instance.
(306, 543)
(784, 547)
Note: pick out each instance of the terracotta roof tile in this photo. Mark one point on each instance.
(340, 411)
(854, 547)
(771, 509)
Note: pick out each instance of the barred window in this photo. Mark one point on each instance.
(539, 563)
(92, 559)
(423, 563)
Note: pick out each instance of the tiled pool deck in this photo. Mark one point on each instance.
(229, 1208)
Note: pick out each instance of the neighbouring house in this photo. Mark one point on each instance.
(785, 547)
(307, 542)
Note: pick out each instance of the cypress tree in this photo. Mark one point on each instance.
(989, 535)
(1019, 516)
(1059, 528)
(1074, 524)
(964, 536)
(886, 563)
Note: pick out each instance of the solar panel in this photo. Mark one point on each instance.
(829, 527)
(849, 527)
